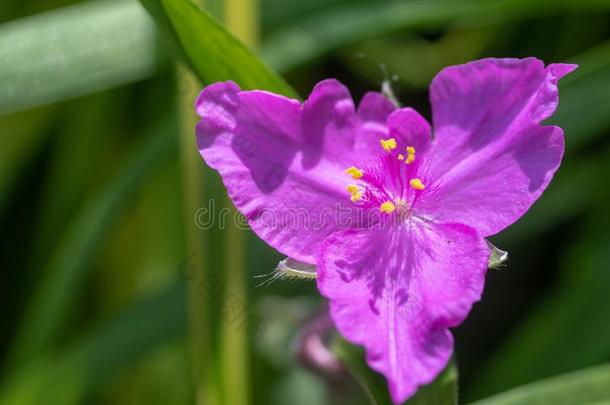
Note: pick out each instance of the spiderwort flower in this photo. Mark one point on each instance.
(397, 280)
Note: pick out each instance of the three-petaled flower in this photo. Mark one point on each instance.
(398, 279)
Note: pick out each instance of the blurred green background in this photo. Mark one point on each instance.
(111, 291)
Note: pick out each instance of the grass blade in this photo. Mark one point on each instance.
(574, 315)
(442, 391)
(77, 50)
(211, 51)
(67, 266)
(99, 356)
(587, 386)
(328, 31)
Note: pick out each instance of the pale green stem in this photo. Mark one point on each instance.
(200, 322)
(241, 18)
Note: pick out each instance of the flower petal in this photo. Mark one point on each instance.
(375, 107)
(282, 162)
(397, 292)
(373, 111)
(410, 129)
(491, 158)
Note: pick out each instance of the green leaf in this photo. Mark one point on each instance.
(74, 51)
(99, 45)
(325, 32)
(22, 137)
(352, 357)
(210, 50)
(101, 354)
(574, 314)
(442, 391)
(82, 136)
(584, 109)
(398, 53)
(581, 387)
(574, 191)
(66, 269)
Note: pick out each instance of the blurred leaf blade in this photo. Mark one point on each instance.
(584, 114)
(373, 384)
(74, 51)
(574, 314)
(326, 32)
(64, 272)
(442, 391)
(23, 136)
(581, 387)
(212, 52)
(101, 354)
(124, 48)
(584, 110)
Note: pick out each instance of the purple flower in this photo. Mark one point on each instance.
(393, 216)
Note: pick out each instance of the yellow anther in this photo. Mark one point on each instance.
(417, 184)
(387, 207)
(410, 155)
(401, 156)
(356, 196)
(354, 172)
(352, 188)
(356, 193)
(388, 144)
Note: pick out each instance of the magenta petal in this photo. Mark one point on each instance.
(375, 107)
(410, 129)
(328, 123)
(373, 112)
(397, 291)
(282, 162)
(491, 157)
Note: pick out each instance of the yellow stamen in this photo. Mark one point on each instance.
(410, 155)
(354, 172)
(417, 184)
(388, 144)
(352, 188)
(401, 156)
(356, 193)
(387, 207)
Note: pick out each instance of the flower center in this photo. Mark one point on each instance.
(393, 185)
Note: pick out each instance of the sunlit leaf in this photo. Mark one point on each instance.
(589, 386)
(212, 52)
(74, 51)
